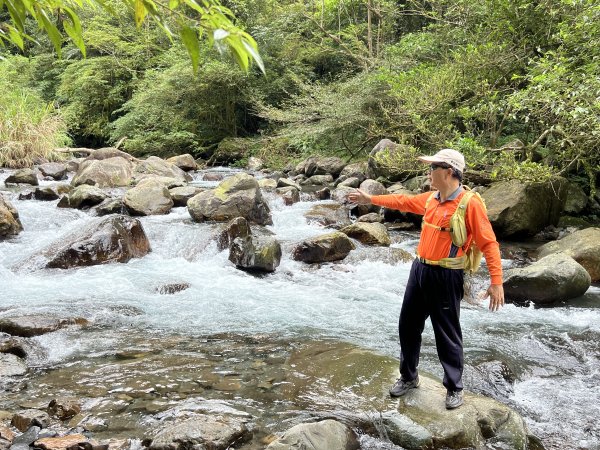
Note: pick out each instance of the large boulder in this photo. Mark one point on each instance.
(236, 196)
(107, 153)
(10, 224)
(203, 432)
(56, 171)
(576, 200)
(262, 254)
(158, 167)
(327, 434)
(49, 193)
(111, 172)
(182, 194)
(236, 228)
(368, 233)
(329, 215)
(103, 241)
(149, 197)
(321, 165)
(355, 170)
(83, 196)
(327, 247)
(583, 246)
(354, 383)
(23, 176)
(185, 162)
(552, 278)
(518, 209)
(394, 162)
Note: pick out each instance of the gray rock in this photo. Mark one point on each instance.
(290, 194)
(325, 435)
(110, 206)
(318, 180)
(552, 278)
(56, 171)
(23, 176)
(576, 200)
(149, 197)
(172, 288)
(103, 241)
(28, 437)
(355, 170)
(185, 162)
(155, 166)
(286, 182)
(181, 195)
(405, 432)
(267, 184)
(83, 196)
(203, 432)
(319, 165)
(111, 172)
(29, 326)
(236, 196)
(328, 247)
(255, 254)
(255, 164)
(524, 209)
(583, 246)
(328, 215)
(11, 365)
(49, 193)
(368, 233)
(236, 228)
(10, 224)
(352, 182)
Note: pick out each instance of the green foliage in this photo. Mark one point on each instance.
(30, 129)
(509, 168)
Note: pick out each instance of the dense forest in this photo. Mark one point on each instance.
(513, 84)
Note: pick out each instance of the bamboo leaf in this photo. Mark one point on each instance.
(139, 12)
(15, 36)
(74, 29)
(53, 33)
(254, 54)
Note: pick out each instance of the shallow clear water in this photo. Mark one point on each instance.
(553, 353)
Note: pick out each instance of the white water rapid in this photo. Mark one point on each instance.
(553, 353)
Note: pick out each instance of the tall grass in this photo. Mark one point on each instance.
(30, 129)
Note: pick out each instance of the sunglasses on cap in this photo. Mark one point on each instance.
(438, 166)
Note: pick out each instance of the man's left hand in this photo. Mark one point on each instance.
(496, 294)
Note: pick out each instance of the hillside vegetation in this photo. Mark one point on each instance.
(513, 84)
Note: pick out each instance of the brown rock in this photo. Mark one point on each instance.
(61, 443)
(30, 417)
(63, 408)
(29, 326)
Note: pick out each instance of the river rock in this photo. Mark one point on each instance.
(203, 432)
(29, 326)
(267, 184)
(7, 434)
(23, 176)
(576, 200)
(320, 165)
(111, 172)
(368, 233)
(28, 418)
(110, 206)
(104, 153)
(351, 182)
(10, 224)
(49, 193)
(69, 441)
(327, 247)
(329, 215)
(235, 196)
(64, 408)
(552, 278)
(255, 254)
(355, 170)
(289, 194)
(149, 197)
(517, 208)
(185, 162)
(327, 434)
(83, 196)
(11, 365)
(22, 441)
(182, 194)
(102, 241)
(155, 166)
(286, 182)
(236, 228)
(255, 164)
(172, 288)
(56, 171)
(583, 246)
(317, 180)
(353, 382)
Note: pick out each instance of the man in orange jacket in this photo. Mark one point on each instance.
(435, 284)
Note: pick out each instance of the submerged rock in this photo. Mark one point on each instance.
(29, 326)
(328, 247)
(11, 365)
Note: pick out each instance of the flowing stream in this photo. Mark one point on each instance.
(552, 354)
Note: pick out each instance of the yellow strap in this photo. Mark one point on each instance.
(447, 263)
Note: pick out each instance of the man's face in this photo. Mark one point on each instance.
(439, 174)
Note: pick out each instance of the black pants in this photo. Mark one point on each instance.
(435, 292)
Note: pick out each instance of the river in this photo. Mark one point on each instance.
(552, 354)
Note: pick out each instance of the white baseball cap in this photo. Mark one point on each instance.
(447, 156)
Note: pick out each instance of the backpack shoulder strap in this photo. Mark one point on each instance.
(429, 200)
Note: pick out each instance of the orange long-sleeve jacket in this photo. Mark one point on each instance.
(436, 244)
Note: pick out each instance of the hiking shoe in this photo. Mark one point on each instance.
(401, 387)
(454, 399)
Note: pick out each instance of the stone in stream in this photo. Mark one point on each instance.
(64, 408)
(261, 254)
(368, 233)
(29, 326)
(149, 197)
(27, 418)
(185, 162)
(56, 171)
(203, 432)
(328, 215)
(325, 248)
(10, 224)
(104, 240)
(23, 176)
(327, 434)
(62, 443)
(11, 365)
(110, 172)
